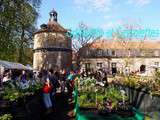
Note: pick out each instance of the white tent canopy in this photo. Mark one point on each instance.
(12, 65)
(29, 67)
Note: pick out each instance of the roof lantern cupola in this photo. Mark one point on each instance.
(53, 15)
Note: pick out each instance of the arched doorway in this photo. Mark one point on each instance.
(114, 68)
(142, 68)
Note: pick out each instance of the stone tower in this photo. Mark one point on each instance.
(52, 47)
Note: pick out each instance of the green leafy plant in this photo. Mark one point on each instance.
(14, 93)
(114, 95)
(11, 94)
(6, 117)
(87, 99)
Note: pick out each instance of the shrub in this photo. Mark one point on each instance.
(6, 117)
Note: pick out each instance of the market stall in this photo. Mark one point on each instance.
(12, 65)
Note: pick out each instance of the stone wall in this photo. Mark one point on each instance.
(54, 60)
(52, 50)
(134, 63)
(48, 40)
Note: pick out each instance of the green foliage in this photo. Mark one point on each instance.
(14, 93)
(87, 99)
(6, 117)
(94, 99)
(87, 82)
(130, 81)
(16, 28)
(92, 96)
(150, 84)
(114, 95)
(157, 75)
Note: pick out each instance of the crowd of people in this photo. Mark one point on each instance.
(51, 82)
(23, 78)
(61, 80)
(100, 75)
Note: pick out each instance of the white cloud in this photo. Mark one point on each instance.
(139, 2)
(94, 5)
(111, 24)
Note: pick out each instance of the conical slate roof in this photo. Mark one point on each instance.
(55, 26)
(52, 26)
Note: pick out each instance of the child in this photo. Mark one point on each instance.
(46, 94)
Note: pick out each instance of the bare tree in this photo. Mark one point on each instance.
(126, 37)
(83, 35)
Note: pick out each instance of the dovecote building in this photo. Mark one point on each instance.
(52, 47)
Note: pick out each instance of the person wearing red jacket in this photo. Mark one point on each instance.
(47, 88)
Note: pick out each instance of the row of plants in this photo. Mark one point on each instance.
(95, 97)
(104, 100)
(14, 97)
(13, 92)
(151, 85)
(92, 95)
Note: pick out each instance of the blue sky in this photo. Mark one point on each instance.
(102, 13)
